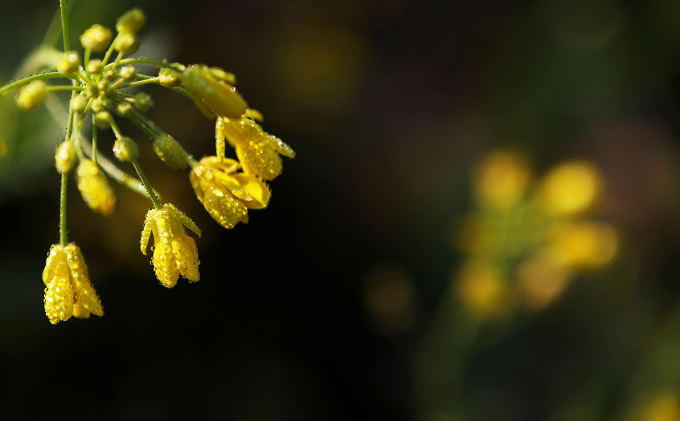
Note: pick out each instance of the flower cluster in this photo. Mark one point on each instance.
(103, 88)
(526, 240)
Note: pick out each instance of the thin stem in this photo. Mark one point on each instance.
(63, 234)
(141, 82)
(149, 190)
(65, 32)
(63, 88)
(94, 140)
(142, 60)
(40, 76)
(115, 128)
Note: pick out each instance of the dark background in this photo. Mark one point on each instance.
(389, 104)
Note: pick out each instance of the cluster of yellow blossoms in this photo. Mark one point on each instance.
(526, 240)
(226, 187)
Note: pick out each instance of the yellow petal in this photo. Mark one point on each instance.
(83, 291)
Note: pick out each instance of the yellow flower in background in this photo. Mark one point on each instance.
(482, 289)
(257, 151)
(68, 289)
(570, 188)
(661, 406)
(501, 179)
(583, 244)
(174, 252)
(540, 281)
(226, 194)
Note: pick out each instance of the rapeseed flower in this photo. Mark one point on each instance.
(174, 252)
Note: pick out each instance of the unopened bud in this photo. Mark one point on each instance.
(170, 152)
(125, 149)
(123, 108)
(97, 38)
(220, 96)
(168, 77)
(143, 101)
(102, 119)
(69, 62)
(95, 188)
(32, 95)
(65, 157)
(125, 43)
(131, 21)
(78, 103)
(223, 75)
(94, 66)
(127, 72)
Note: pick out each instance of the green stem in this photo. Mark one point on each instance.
(115, 128)
(63, 88)
(94, 140)
(40, 76)
(149, 190)
(142, 60)
(65, 32)
(140, 82)
(63, 235)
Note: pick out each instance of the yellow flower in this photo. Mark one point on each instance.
(214, 87)
(257, 150)
(174, 252)
(69, 291)
(226, 194)
(95, 188)
(570, 188)
(501, 179)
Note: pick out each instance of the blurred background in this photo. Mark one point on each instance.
(481, 222)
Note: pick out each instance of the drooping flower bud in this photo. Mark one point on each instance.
(65, 157)
(97, 38)
(168, 77)
(95, 188)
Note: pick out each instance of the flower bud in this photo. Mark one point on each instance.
(168, 77)
(78, 103)
(102, 119)
(125, 43)
(97, 38)
(143, 101)
(32, 95)
(94, 66)
(123, 109)
(95, 188)
(220, 96)
(127, 72)
(125, 149)
(65, 157)
(69, 62)
(170, 152)
(131, 21)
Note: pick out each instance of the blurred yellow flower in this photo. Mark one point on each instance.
(582, 244)
(483, 289)
(174, 252)
(540, 281)
(570, 188)
(95, 188)
(501, 179)
(257, 151)
(68, 289)
(662, 406)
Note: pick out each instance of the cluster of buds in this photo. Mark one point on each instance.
(526, 239)
(100, 88)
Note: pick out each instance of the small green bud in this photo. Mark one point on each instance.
(108, 75)
(125, 149)
(97, 38)
(32, 95)
(170, 152)
(98, 104)
(78, 103)
(69, 62)
(220, 96)
(125, 43)
(102, 119)
(123, 108)
(94, 66)
(168, 77)
(143, 101)
(131, 21)
(127, 72)
(65, 157)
